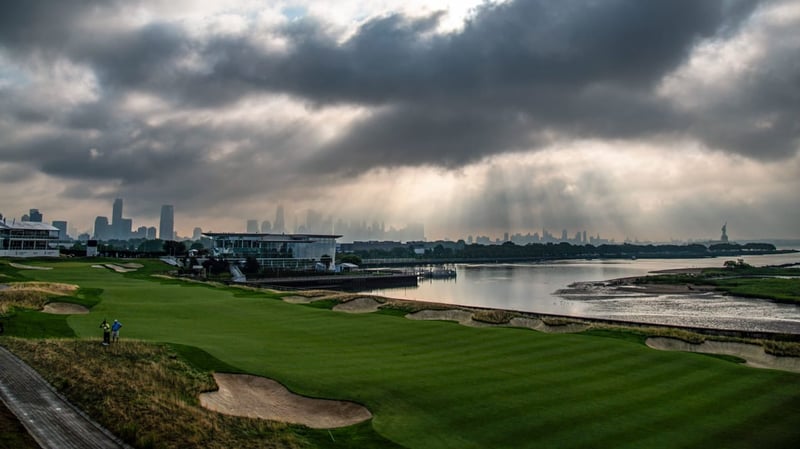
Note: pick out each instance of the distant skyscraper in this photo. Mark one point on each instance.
(252, 226)
(120, 227)
(167, 227)
(197, 234)
(266, 227)
(62, 229)
(101, 228)
(125, 228)
(280, 225)
(151, 233)
(116, 214)
(35, 215)
(116, 218)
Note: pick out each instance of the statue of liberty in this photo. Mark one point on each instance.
(724, 237)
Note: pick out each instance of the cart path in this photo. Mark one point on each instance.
(50, 419)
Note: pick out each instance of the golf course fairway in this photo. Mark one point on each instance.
(433, 384)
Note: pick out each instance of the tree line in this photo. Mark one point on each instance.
(510, 250)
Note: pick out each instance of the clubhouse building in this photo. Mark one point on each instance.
(28, 239)
(277, 251)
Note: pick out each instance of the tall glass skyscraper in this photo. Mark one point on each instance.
(166, 231)
(279, 225)
(116, 215)
(117, 231)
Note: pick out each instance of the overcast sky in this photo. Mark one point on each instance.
(627, 118)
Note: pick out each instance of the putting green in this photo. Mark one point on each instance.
(440, 385)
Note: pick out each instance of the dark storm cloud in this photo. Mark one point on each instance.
(575, 69)
(385, 61)
(515, 71)
(517, 75)
(142, 58)
(415, 135)
(99, 142)
(507, 49)
(30, 24)
(55, 26)
(760, 119)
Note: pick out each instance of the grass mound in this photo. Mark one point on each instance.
(776, 283)
(32, 295)
(147, 394)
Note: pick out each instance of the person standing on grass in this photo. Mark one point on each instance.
(106, 332)
(115, 331)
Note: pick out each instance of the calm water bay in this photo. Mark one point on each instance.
(534, 287)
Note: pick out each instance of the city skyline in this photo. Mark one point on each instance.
(120, 228)
(646, 121)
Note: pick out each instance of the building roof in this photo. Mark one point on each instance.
(271, 237)
(27, 225)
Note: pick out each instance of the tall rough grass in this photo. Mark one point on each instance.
(782, 348)
(31, 295)
(145, 394)
(493, 316)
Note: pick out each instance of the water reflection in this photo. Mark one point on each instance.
(533, 287)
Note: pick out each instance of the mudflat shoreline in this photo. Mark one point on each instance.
(633, 284)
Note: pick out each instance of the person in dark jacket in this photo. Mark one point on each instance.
(106, 332)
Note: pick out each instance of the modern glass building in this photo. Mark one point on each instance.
(28, 239)
(283, 251)
(167, 224)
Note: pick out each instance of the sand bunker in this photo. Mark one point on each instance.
(753, 354)
(358, 305)
(541, 326)
(131, 265)
(294, 299)
(119, 268)
(65, 308)
(28, 267)
(259, 397)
